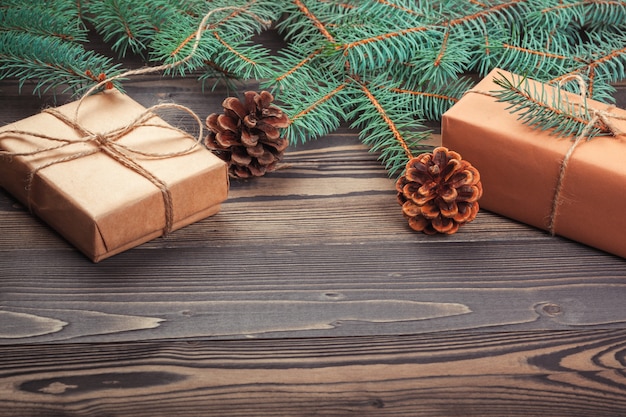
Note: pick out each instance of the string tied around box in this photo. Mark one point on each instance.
(108, 142)
(602, 120)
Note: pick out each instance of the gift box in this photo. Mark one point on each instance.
(111, 175)
(520, 167)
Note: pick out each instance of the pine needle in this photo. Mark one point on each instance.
(546, 111)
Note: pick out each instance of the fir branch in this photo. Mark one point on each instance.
(558, 16)
(59, 8)
(391, 126)
(532, 53)
(316, 22)
(442, 66)
(316, 114)
(50, 62)
(226, 42)
(125, 23)
(408, 7)
(370, 47)
(553, 112)
(300, 65)
(430, 101)
(60, 23)
(602, 13)
(505, 12)
(605, 56)
(386, 124)
(381, 65)
(602, 60)
(244, 60)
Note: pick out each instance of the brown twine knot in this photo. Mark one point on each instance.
(101, 140)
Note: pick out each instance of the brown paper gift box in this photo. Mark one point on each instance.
(520, 165)
(96, 203)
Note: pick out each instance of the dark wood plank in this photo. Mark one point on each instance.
(520, 374)
(281, 291)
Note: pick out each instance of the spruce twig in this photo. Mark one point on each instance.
(51, 62)
(382, 66)
(548, 111)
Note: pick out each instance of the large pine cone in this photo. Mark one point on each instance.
(247, 135)
(439, 192)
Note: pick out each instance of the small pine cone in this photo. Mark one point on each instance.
(247, 134)
(439, 192)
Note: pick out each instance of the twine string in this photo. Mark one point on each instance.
(605, 117)
(107, 142)
(556, 200)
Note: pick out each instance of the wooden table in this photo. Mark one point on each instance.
(307, 295)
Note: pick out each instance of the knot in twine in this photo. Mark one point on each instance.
(101, 140)
(107, 142)
(600, 119)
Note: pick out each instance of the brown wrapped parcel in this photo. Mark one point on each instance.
(105, 201)
(520, 168)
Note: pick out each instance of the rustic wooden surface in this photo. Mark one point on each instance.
(307, 295)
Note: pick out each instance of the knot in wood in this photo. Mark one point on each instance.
(552, 309)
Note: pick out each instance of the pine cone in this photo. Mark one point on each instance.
(247, 135)
(439, 192)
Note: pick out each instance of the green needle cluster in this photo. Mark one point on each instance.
(384, 67)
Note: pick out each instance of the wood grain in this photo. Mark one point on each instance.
(316, 249)
(525, 374)
(315, 290)
(307, 295)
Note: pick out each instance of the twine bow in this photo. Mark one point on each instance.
(107, 142)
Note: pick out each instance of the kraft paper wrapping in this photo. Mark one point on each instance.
(520, 168)
(96, 203)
